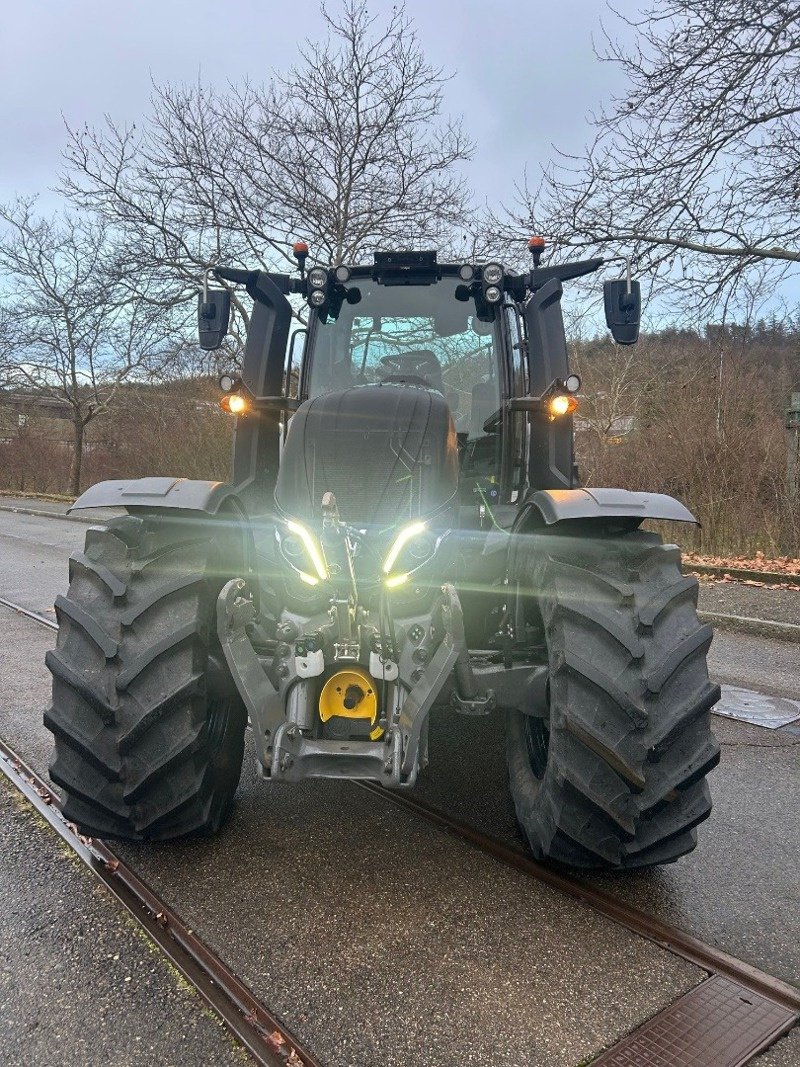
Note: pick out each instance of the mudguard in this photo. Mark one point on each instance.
(182, 494)
(560, 505)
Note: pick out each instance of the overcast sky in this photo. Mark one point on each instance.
(525, 79)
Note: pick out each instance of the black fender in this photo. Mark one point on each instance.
(557, 509)
(192, 499)
(181, 494)
(552, 506)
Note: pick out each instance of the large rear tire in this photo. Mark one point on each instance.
(615, 776)
(145, 749)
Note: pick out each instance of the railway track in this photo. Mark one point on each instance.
(739, 1006)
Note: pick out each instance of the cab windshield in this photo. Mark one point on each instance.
(420, 334)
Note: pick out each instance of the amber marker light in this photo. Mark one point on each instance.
(234, 404)
(561, 404)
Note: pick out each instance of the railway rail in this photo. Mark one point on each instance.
(734, 985)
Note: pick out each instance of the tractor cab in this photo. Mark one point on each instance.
(428, 335)
(483, 343)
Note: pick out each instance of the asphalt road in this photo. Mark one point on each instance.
(77, 984)
(378, 938)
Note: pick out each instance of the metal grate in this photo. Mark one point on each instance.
(717, 1024)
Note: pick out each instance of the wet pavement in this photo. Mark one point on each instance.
(755, 602)
(376, 937)
(78, 984)
(738, 889)
(379, 937)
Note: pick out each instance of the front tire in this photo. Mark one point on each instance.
(615, 775)
(144, 750)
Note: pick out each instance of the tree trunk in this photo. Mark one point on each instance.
(77, 457)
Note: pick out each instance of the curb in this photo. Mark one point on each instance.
(783, 631)
(40, 513)
(766, 577)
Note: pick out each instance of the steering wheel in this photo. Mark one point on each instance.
(421, 367)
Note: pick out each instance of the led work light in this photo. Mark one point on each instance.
(313, 552)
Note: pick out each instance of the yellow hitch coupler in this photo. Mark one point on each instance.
(350, 694)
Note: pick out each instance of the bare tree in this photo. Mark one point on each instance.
(75, 328)
(696, 166)
(347, 150)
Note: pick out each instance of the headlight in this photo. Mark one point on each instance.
(421, 546)
(305, 548)
(402, 539)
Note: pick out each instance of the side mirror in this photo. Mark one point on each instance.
(623, 310)
(213, 315)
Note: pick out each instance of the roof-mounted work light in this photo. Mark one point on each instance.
(492, 277)
(317, 286)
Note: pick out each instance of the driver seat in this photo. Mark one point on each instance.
(432, 374)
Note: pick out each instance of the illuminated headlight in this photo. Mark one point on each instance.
(415, 545)
(493, 294)
(493, 274)
(317, 298)
(317, 278)
(304, 553)
(342, 274)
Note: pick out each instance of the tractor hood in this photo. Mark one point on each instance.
(388, 453)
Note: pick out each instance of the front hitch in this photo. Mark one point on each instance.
(280, 692)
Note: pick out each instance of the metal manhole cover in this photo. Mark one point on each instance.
(717, 1024)
(756, 708)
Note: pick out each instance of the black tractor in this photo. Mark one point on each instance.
(404, 530)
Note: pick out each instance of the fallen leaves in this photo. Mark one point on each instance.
(789, 565)
(745, 570)
(732, 579)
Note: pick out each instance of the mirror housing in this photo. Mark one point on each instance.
(623, 310)
(213, 315)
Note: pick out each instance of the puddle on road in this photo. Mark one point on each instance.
(756, 708)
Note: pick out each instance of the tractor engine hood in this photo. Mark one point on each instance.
(387, 452)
